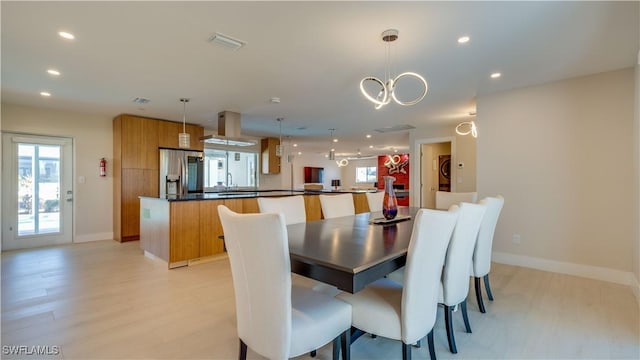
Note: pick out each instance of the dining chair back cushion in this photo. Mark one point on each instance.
(292, 207)
(482, 253)
(337, 205)
(374, 199)
(261, 272)
(455, 275)
(445, 199)
(408, 312)
(425, 258)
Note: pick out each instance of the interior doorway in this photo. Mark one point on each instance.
(37, 191)
(435, 173)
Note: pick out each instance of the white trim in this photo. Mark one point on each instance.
(93, 237)
(587, 271)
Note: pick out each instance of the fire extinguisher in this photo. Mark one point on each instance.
(103, 167)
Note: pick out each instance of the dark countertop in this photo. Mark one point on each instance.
(240, 194)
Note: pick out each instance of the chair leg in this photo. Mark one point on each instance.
(465, 316)
(346, 345)
(417, 344)
(336, 348)
(312, 353)
(476, 281)
(432, 349)
(487, 286)
(243, 351)
(406, 351)
(448, 321)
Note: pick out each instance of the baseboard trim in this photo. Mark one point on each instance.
(93, 237)
(587, 271)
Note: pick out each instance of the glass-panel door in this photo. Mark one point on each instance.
(37, 193)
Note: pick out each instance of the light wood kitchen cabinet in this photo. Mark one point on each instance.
(269, 162)
(136, 165)
(184, 225)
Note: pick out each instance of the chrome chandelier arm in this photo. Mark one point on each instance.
(416, 100)
(384, 91)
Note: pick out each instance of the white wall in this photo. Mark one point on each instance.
(562, 154)
(93, 139)
(636, 185)
(348, 173)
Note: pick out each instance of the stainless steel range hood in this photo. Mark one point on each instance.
(228, 131)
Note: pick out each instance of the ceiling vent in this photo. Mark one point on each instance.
(140, 100)
(226, 41)
(387, 129)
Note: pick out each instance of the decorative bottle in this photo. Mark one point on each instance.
(390, 202)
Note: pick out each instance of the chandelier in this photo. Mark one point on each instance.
(466, 128)
(387, 88)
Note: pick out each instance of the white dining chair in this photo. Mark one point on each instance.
(293, 210)
(374, 200)
(482, 253)
(337, 205)
(445, 199)
(291, 207)
(455, 275)
(407, 312)
(274, 318)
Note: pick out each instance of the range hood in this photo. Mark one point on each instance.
(228, 131)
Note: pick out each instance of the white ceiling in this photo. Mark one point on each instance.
(311, 55)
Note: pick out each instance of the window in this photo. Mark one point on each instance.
(367, 174)
(227, 168)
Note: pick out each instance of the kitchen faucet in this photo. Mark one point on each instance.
(229, 179)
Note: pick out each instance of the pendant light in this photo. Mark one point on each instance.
(184, 139)
(468, 127)
(280, 147)
(332, 152)
(387, 88)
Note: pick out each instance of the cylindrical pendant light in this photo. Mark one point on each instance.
(184, 139)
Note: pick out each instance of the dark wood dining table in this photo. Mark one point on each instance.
(349, 252)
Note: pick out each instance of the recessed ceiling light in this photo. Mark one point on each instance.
(368, 136)
(395, 150)
(463, 39)
(335, 140)
(299, 152)
(45, 94)
(53, 72)
(295, 145)
(66, 35)
(495, 75)
(370, 146)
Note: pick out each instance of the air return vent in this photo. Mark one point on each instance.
(387, 129)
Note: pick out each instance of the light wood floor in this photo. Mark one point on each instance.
(105, 300)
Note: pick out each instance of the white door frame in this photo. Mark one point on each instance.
(416, 178)
(10, 239)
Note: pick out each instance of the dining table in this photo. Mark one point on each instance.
(350, 252)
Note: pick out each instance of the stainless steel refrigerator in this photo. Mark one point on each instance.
(181, 172)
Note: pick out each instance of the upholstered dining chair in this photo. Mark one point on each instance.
(455, 274)
(274, 318)
(374, 199)
(337, 205)
(291, 207)
(445, 199)
(293, 210)
(407, 312)
(482, 253)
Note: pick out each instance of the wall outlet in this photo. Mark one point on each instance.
(516, 239)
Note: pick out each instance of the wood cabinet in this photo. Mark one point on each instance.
(136, 165)
(269, 162)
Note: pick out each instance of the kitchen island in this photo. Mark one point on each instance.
(185, 229)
